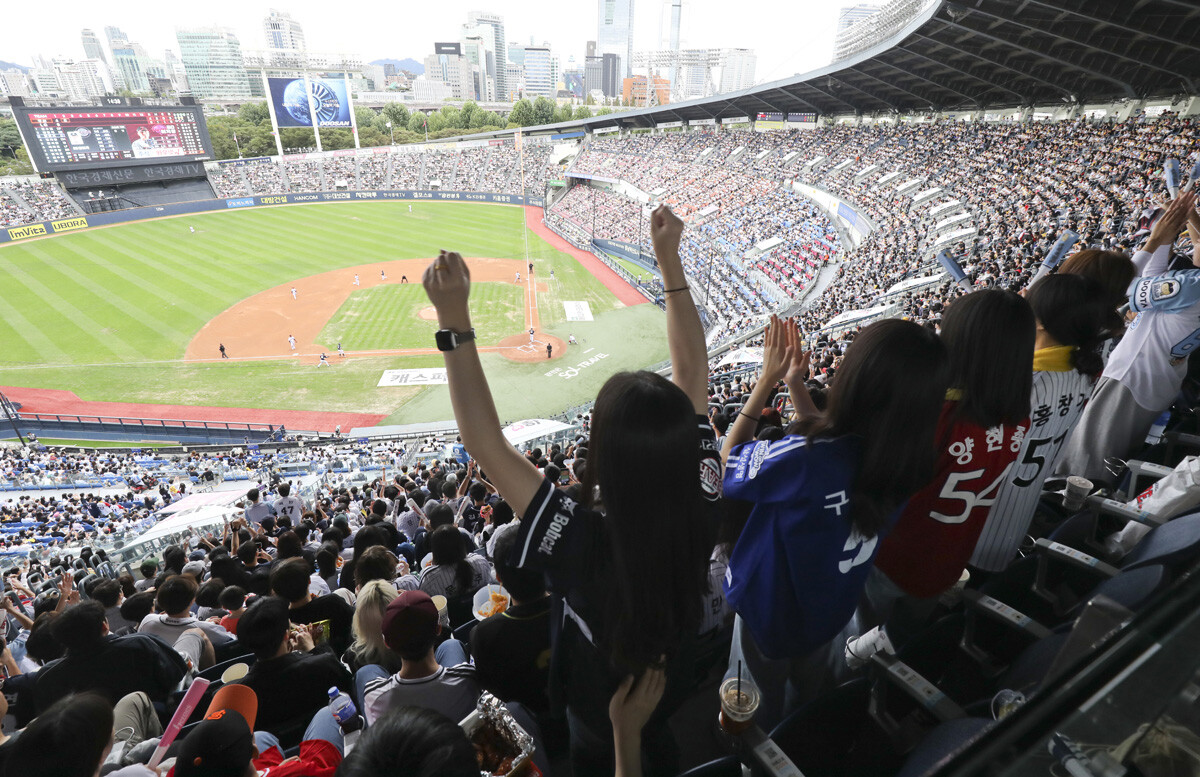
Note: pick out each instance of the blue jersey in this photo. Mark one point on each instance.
(798, 568)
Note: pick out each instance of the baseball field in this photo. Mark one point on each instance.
(137, 313)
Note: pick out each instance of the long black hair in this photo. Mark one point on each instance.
(447, 547)
(1073, 310)
(989, 335)
(889, 393)
(656, 570)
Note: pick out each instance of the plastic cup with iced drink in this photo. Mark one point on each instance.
(739, 702)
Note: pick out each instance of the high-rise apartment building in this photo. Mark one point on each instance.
(282, 31)
(92, 49)
(499, 48)
(212, 60)
(737, 70)
(615, 32)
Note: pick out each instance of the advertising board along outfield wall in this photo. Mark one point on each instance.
(58, 226)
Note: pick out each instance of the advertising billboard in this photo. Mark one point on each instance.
(63, 138)
(326, 99)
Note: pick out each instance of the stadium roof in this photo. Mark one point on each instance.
(979, 54)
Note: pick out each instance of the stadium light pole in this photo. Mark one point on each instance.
(393, 133)
(239, 145)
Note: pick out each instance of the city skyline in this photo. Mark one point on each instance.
(710, 24)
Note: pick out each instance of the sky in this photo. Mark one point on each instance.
(789, 36)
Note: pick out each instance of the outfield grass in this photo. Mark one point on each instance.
(632, 267)
(108, 313)
(386, 317)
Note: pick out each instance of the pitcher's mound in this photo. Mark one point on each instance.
(518, 349)
(427, 313)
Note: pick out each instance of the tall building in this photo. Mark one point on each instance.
(615, 32)
(282, 31)
(852, 14)
(591, 48)
(516, 54)
(673, 12)
(212, 60)
(114, 34)
(701, 72)
(476, 43)
(130, 66)
(91, 46)
(539, 72)
(737, 70)
(610, 78)
(593, 74)
(448, 65)
(499, 48)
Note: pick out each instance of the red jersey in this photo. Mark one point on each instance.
(928, 548)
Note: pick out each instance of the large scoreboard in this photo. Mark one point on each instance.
(65, 139)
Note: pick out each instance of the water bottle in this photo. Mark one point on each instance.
(347, 717)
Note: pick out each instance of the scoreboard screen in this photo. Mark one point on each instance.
(769, 117)
(92, 138)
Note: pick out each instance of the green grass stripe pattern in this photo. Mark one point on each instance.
(108, 313)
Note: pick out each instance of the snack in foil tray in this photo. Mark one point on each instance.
(501, 745)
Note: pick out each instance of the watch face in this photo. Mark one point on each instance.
(445, 340)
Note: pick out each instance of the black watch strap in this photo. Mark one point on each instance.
(448, 339)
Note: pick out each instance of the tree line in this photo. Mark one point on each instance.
(249, 130)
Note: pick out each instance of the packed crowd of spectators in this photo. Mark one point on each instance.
(496, 168)
(45, 200)
(1018, 185)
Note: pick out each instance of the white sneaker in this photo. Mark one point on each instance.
(860, 649)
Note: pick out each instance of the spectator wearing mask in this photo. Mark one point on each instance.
(632, 578)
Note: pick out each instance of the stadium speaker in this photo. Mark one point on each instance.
(187, 99)
(15, 101)
(135, 101)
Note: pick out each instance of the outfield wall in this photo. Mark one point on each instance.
(76, 223)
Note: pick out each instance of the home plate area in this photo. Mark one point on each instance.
(519, 349)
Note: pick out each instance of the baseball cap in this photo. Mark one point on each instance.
(194, 568)
(222, 744)
(196, 555)
(411, 619)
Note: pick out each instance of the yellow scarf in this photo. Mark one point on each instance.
(1054, 359)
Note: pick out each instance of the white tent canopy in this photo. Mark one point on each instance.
(531, 429)
(742, 356)
(854, 315)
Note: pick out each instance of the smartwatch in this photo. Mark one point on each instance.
(448, 339)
